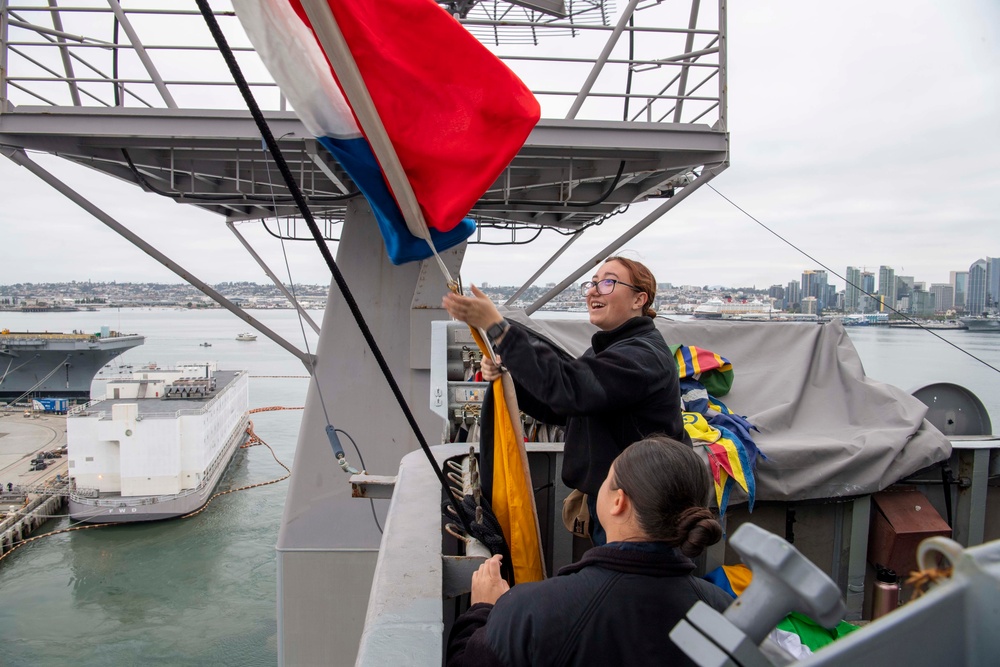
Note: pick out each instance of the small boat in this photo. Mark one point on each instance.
(246, 336)
(204, 344)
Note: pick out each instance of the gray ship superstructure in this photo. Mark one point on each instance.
(57, 364)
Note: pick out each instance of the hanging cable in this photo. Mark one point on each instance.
(331, 432)
(303, 207)
(859, 288)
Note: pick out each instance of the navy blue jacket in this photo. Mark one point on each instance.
(624, 388)
(616, 606)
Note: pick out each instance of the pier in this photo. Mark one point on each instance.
(30, 497)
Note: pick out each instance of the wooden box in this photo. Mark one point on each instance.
(900, 521)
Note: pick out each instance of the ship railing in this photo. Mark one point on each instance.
(675, 73)
(106, 414)
(29, 339)
(141, 501)
(78, 410)
(418, 611)
(183, 412)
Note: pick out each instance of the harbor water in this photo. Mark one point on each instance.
(201, 591)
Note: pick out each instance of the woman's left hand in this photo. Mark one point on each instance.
(476, 310)
(487, 584)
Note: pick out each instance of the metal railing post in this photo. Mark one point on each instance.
(688, 45)
(74, 91)
(723, 55)
(140, 51)
(3, 56)
(602, 59)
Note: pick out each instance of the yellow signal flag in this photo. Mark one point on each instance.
(513, 498)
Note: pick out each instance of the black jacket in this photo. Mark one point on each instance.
(616, 606)
(624, 388)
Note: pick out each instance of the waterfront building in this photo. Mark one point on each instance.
(887, 286)
(921, 302)
(993, 282)
(809, 279)
(852, 293)
(944, 297)
(793, 295)
(814, 284)
(810, 305)
(959, 283)
(975, 299)
(868, 282)
(904, 288)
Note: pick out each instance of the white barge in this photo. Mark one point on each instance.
(157, 445)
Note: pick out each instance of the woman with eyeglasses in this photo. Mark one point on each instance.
(618, 603)
(622, 389)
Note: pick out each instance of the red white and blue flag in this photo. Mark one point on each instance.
(419, 113)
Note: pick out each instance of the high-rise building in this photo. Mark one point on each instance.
(887, 286)
(868, 289)
(793, 295)
(809, 280)
(810, 305)
(975, 297)
(776, 292)
(993, 282)
(852, 293)
(944, 297)
(814, 284)
(868, 282)
(959, 283)
(921, 302)
(904, 286)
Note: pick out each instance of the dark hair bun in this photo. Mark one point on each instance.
(697, 529)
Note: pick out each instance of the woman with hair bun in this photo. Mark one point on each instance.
(618, 604)
(624, 388)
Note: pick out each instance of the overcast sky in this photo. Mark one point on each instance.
(866, 133)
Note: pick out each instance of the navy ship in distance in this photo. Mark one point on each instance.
(986, 323)
(60, 365)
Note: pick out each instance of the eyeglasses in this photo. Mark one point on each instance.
(606, 286)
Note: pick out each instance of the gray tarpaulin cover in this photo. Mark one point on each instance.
(826, 429)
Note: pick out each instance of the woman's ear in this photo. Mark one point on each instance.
(619, 503)
(640, 300)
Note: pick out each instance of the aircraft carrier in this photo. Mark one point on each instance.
(60, 365)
